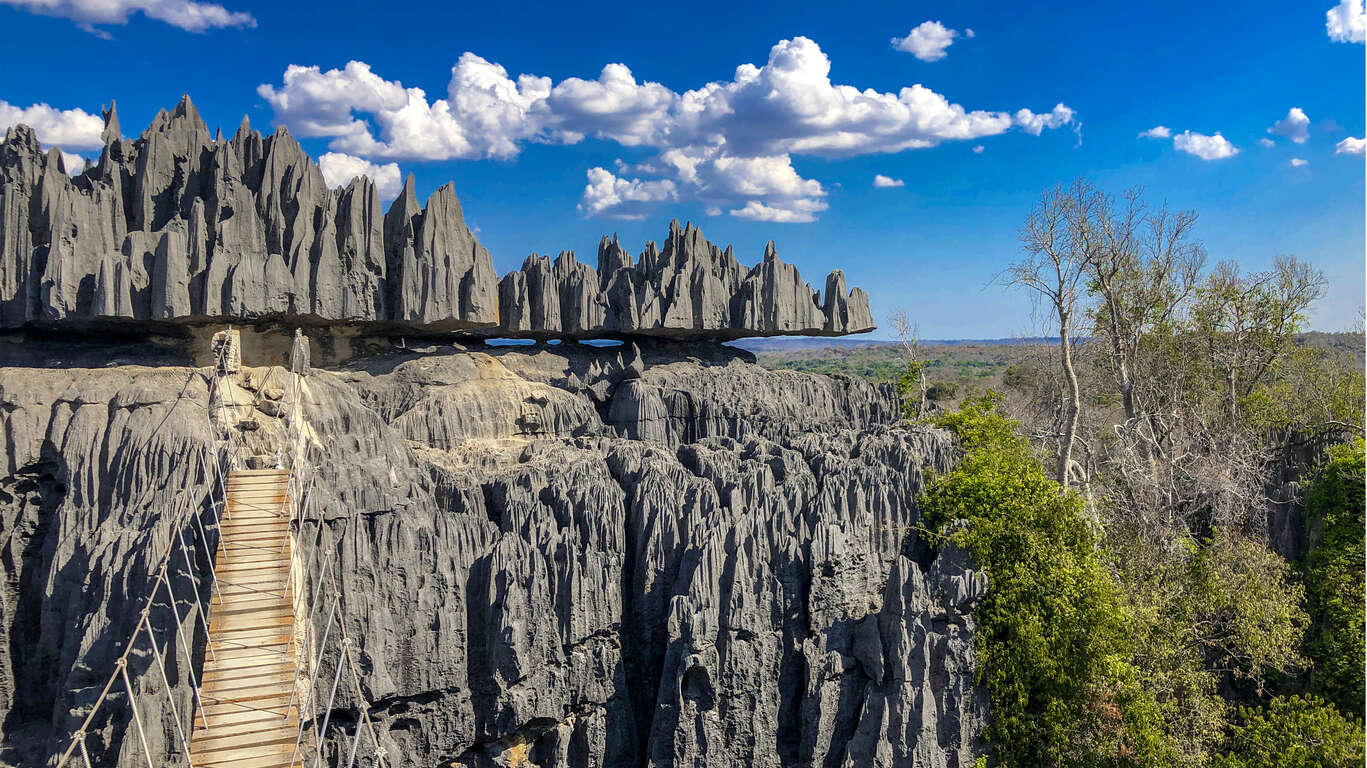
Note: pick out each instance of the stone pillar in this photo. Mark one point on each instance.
(299, 354)
(227, 350)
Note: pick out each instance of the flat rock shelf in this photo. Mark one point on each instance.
(248, 679)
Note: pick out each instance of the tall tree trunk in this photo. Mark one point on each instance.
(1074, 402)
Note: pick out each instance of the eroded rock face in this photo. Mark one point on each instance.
(177, 226)
(689, 290)
(662, 556)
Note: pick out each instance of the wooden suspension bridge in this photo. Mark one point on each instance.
(257, 700)
(248, 685)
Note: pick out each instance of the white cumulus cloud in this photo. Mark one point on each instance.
(186, 14)
(978, 150)
(928, 41)
(339, 169)
(1156, 132)
(1295, 126)
(882, 182)
(1297, 162)
(66, 128)
(614, 197)
(1346, 22)
(1214, 147)
(726, 143)
(797, 212)
(1034, 124)
(1266, 142)
(1351, 146)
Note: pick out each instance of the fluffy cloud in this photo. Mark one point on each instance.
(1351, 146)
(707, 174)
(978, 150)
(69, 128)
(798, 212)
(727, 143)
(1346, 22)
(1297, 162)
(882, 182)
(339, 169)
(485, 114)
(1295, 126)
(1266, 142)
(1205, 147)
(614, 197)
(186, 14)
(1034, 124)
(928, 41)
(1156, 132)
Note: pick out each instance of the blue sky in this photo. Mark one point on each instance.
(774, 151)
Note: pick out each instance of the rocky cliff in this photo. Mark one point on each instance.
(178, 226)
(557, 555)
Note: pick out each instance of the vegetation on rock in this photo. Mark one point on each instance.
(1135, 498)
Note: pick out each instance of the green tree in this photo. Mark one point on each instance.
(1334, 578)
(1293, 732)
(1246, 322)
(1053, 637)
(1205, 617)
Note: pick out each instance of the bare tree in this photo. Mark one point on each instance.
(1248, 321)
(915, 374)
(1146, 267)
(1057, 239)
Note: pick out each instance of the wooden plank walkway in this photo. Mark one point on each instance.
(246, 689)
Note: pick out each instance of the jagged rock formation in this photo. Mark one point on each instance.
(654, 555)
(689, 289)
(177, 226)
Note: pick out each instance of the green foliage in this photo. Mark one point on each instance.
(1312, 390)
(1053, 637)
(1104, 656)
(942, 390)
(909, 388)
(1334, 578)
(1293, 732)
(1246, 607)
(1015, 377)
(1203, 614)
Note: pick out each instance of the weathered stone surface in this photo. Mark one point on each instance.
(567, 555)
(177, 226)
(689, 290)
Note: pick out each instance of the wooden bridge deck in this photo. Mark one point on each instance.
(246, 688)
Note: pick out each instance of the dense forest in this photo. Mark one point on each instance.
(1167, 496)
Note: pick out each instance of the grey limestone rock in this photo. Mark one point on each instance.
(177, 226)
(705, 564)
(690, 289)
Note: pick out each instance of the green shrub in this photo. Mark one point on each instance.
(1334, 579)
(1293, 732)
(1052, 634)
(942, 390)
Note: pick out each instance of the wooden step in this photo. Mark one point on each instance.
(244, 720)
(248, 681)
